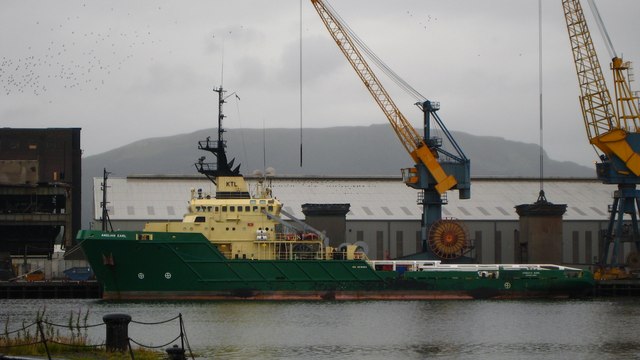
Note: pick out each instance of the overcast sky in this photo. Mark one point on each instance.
(123, 70)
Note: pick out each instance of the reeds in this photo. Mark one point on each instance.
(43, 337)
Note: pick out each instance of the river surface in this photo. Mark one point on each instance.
(569, 329)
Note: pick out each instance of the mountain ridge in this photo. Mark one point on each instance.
(370, 150)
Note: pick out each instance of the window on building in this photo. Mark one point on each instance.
(478, 246)
(406, 210)
(498, 248)
(399, 243)
(578, 210)
(588, 244)
(575, 244)
(379, 245)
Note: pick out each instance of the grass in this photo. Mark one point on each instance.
(71, 340)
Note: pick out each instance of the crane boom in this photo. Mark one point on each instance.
(409, 137)
(607, 126)
(614, 130)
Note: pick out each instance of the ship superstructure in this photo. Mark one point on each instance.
(245, 223)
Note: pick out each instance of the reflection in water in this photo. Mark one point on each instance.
(586, 329)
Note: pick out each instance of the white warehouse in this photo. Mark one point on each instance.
(384, 212)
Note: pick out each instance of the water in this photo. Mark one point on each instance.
(572, 329)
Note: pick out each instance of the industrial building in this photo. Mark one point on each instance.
(383, 212)
(40, 172)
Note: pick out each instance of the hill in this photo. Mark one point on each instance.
(355, 150)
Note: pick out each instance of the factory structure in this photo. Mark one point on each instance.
(40, 192)
(40, 173)
(384, 214)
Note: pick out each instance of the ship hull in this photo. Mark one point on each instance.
(387, 295)
(186, 266)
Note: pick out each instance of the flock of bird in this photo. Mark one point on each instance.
(422, 21)
(61, 57)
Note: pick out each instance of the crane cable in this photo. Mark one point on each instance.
(374, 58)
(603, 29)
(540, 93)
(300, 84)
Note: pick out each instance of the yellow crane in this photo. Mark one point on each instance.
(614, 130)
(436, 170)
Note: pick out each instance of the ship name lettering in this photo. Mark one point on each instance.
(231, 183)
(107, 235)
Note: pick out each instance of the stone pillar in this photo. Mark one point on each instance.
(331, 218)
(541, 231)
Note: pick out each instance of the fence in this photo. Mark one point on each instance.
(46, 335)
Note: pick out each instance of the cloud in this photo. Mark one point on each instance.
(128, 70)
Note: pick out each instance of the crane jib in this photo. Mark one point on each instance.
(418, 149)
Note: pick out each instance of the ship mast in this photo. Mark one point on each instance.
(222, 167)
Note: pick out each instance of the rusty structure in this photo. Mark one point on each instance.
(541, 231)
(40, 189)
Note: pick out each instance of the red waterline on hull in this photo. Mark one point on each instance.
(320, 296)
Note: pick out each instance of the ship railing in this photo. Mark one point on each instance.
(406, 265)
(296, 237)
(436, 265)
(290, 249)
(345, 255)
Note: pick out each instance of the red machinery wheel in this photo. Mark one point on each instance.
(448, 239)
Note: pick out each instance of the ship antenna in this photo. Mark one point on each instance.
(221, 130)
(105, 212)
(264, 152)
(222, 65)
(222, 167)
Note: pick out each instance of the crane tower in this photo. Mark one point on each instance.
(436, 170)
(613, 128)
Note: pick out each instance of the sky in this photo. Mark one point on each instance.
(124, 71)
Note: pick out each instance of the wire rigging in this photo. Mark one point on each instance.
(300, 85)
(376, 59)
(242, 137)
(540, 93)
(603, 29)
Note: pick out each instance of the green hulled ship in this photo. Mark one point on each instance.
(235, 244)
(187, 265)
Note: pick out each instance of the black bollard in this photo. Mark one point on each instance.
(117, 331)
(176, 353)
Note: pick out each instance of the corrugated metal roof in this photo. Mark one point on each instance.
(379, 198)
